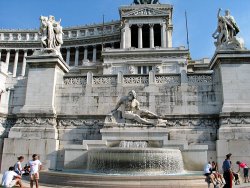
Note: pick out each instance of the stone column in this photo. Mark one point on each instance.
(85, 58)
(7, 60)
(112, 45)
(169, 38)
(27, 36)
(127, 35)
(140, 43)
(163, 35)
(68, 56)
(94, 54)
(76, 56)
(123, 43)
(24, 62)
(15, 63)
(0, 54)
(152, 36)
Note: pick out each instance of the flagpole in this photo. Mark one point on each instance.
(187, 29)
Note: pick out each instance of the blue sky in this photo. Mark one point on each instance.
(201, 17)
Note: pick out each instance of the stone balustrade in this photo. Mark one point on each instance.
(129, 80)
(69, 33)
(16, 35)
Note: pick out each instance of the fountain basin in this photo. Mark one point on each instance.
(144, 161)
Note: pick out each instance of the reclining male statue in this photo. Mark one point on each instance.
(130, 108)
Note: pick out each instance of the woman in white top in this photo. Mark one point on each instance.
(18, 165)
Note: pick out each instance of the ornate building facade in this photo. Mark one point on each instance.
(50, 104)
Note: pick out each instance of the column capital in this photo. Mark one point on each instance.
(16, 50)
(140, 25)
(7, 50)
(163, 24)
(77, 47)
(151, 25)
(94, 46)
(67, 48)
(25, 50)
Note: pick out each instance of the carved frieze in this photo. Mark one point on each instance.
(188, 122)
(80, 123)
(36, 122)
(240, 120)
(145, 12)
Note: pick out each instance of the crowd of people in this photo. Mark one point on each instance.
(13, 177)
(213, 176)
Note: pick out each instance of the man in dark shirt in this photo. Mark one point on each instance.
(227, 172)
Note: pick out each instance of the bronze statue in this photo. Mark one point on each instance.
(146, 1)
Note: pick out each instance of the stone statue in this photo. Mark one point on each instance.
(51, 33)
(226, 32)
(130, 110)
(146, 1)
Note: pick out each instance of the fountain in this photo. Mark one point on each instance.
(134, 158)
(135, 147)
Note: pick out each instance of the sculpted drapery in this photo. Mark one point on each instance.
(51, 33)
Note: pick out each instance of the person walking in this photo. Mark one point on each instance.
(35, 166)
(227, 172)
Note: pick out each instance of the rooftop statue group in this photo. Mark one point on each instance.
(146, 1)
(226, 32)
(51, 33)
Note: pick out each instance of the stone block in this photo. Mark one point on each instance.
(194, 160)
(46, 149)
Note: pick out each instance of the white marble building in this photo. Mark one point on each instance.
(52, 104)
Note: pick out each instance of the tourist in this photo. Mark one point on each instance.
(216, 173)
(35, 166)
(208, 173)
(11, 179)
(245, 170)
(18, 166)
(227, 172)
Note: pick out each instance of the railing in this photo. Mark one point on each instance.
(200, 79)
(75, 80)
(69, 33)
(105, 80)
(136, 79)
(168, 79)
(145, 80)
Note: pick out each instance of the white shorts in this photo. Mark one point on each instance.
(11, 184)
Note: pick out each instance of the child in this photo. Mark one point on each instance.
(18, 166)
(11, 179)
(35, 166)
(245, 170)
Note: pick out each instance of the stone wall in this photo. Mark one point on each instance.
(163, 94)
(190, 106)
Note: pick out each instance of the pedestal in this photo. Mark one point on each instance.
(45, 70)
(234, 132)
(35, 131)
